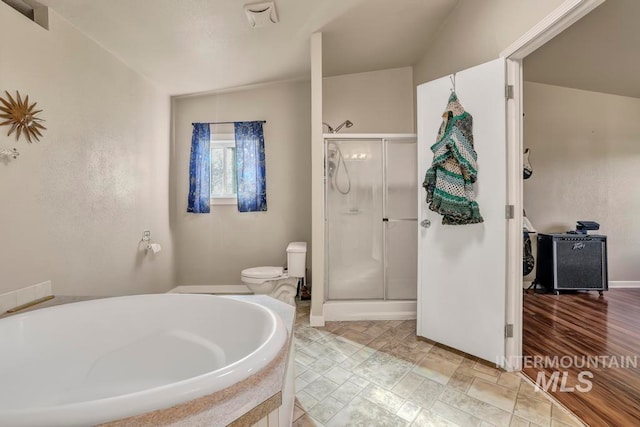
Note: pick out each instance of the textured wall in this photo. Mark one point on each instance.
(214, 248)
(585, 153)
(477, 31)
(376, 101)
(73, 206)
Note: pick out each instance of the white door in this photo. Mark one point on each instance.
(462, 268)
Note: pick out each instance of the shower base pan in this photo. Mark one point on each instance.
(369, 310)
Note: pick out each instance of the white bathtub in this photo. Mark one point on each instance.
(96, 361)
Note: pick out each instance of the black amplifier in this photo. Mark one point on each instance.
(572, 262)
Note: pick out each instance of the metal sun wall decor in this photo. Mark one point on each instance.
(21, 117)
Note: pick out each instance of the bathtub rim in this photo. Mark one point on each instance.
(156, 398)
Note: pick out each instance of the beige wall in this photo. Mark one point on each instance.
(73, 206)
(477, 31)
(376, 101)
(213, 248)
(585, 153)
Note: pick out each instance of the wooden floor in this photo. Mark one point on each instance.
(584, 324)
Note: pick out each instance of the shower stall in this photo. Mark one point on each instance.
(371, 206)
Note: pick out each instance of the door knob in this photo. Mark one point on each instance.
(425, 223)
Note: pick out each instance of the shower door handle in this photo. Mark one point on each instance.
(425, 223)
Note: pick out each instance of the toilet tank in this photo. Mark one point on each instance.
(296, 259)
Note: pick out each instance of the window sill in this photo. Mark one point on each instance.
(224, 201)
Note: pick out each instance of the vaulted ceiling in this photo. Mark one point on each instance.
(600, 53)
(192, 46)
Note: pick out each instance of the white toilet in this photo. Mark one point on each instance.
(274, 281)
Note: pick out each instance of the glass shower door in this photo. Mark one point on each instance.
(354, 204)
(401, 211)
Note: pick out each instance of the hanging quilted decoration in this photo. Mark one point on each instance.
(449, 181)
(21, 117)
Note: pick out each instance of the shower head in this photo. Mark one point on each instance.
(329, 128)
(347, 123)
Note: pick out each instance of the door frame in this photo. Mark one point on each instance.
(569, 12)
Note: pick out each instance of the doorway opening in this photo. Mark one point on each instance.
(579, 102)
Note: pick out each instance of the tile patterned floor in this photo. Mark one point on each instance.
(377, 373)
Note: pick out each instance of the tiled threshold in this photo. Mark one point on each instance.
(377, 373)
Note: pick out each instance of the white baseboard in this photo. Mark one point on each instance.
(369, 310)
(624, 284)
(316, 321)
(211, 289)
(616, 284)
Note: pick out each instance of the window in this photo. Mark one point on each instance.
(223, 169)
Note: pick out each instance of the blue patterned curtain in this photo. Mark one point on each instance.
(252, 186)
(200, 169)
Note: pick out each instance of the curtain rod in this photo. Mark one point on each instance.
(227, 123)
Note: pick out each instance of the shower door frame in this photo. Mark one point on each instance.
(384, 140)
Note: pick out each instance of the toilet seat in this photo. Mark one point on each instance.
(262, 274)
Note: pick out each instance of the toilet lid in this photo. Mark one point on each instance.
(263, 272)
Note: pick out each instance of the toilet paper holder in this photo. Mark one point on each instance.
(148, 244)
